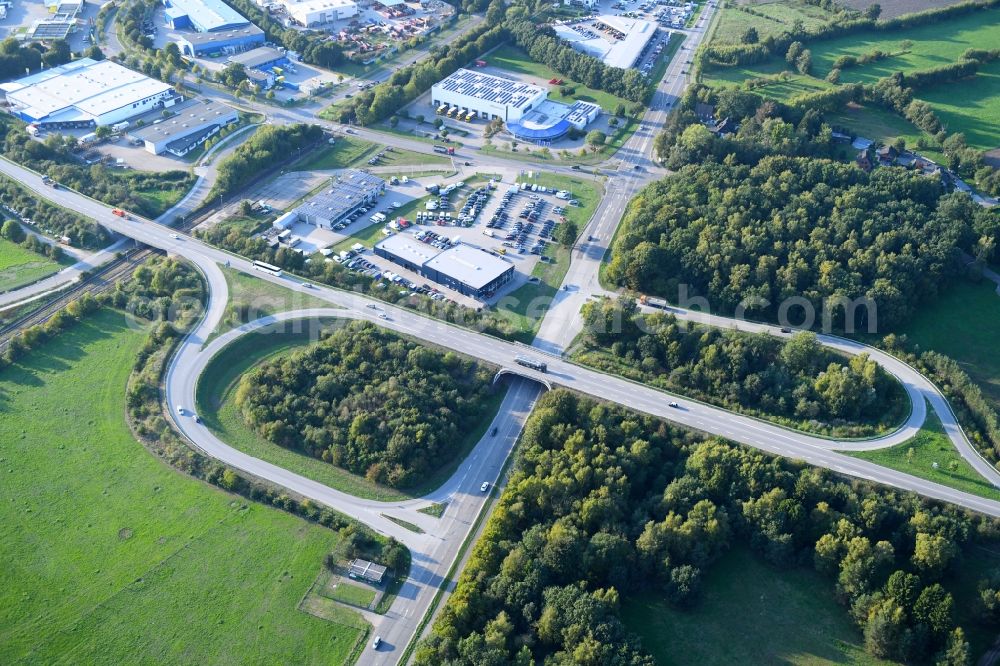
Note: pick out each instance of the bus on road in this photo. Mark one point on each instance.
(266, 268)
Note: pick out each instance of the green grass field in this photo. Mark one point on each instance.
(971, 107)
(218, 410)
(20, 266)
(931, 445)
(934, 44)
(778, 17)
(347, 151)
(750, 613)
(963, 323)
(113, 557)
(351, 594)
(262, 298)
(513, 59)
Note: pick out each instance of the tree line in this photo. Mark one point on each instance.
(604, 503)
(55, 157)
(46, 217)
(796, 227)
(13, 232)
(368, 401)
(795, 381)
(269, 146)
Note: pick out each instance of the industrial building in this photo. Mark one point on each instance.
(469, 271)
(617, 41)
(86, 93)
(344, 195)
(486, 95)
(311, 13)
(193, 123)
(235, 40)
(203, 15)
(465, 269)
(264, 57)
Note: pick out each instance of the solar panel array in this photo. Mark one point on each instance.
(514, 94)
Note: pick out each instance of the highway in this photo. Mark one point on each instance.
(438, 546)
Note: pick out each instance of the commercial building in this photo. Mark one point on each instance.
(486, 95)
(405, 250)
(553, 120)
(465, 269)
(235, 40)
(617, 41)
(203, 15)
(264, 57)
(344, 195)
(85, 93)
(311, 13)
(469, 271)
(193, 123)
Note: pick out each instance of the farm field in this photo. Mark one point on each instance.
(971, 107)
(113, 557)
(750, 612)
(513, 59)
(894, 8)
(778, 17)
(934, 44)
(20, 266)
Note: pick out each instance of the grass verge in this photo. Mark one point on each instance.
(20, 266)
(931, 446)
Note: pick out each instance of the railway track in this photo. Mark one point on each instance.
(106, 278)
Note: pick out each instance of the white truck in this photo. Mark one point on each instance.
(120, 127)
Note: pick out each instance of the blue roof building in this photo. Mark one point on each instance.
(203, 15)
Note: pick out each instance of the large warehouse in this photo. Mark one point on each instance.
(310, 13)
(617, 41)
(465, 269)
(194, 121)
(86, 93)
(487, 95)
(346, 193)
(236, 40)
(203, 15)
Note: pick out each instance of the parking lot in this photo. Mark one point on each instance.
(512, 221)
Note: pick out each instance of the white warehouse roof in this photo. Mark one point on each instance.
(81, 89)
(468, 265)
(614, 53)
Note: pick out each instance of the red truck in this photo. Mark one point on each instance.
(444, 150)
(120, 213)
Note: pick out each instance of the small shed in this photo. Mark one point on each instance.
(365, 570)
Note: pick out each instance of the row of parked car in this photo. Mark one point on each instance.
(499, 219)
(431, 238)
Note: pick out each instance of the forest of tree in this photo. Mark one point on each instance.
(797, 228)
(604, 503)
(368, 401)
(795, 381)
